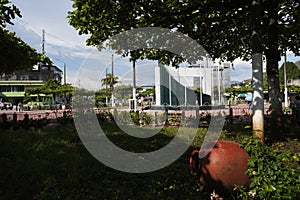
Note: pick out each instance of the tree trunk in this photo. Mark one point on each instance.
(272, 57)
(257, 72)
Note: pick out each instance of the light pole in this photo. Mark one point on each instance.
(65, 70)
(112, 81)
(106, 98)
(285, 82)
(134, 86)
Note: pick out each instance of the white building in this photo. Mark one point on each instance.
(176, 87)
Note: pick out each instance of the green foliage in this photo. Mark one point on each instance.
(104, 117)
(137, 118)
(50, 162)
(124, 91)
(53, 87)
(292, 72)
(145, 118)
(224, 28)
(273, 173)
(15, 54)
(239, 90)
(7, 12)
(293, 88)
(287, 110)
(229, 23)
(110, 81)
(148, 92)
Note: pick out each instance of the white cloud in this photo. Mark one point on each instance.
(64, 43)
(241, 70)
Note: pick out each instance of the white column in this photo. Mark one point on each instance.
(157, 86)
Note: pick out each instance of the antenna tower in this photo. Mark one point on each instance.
(43, 43)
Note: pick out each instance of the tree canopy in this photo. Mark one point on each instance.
(15, 54)
(221, 27)
(110, 81)
(224, 28)
(292, 72)
(52, 87)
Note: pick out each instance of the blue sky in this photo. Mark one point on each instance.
(65, 45)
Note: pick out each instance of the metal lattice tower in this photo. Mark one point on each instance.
(43, 43)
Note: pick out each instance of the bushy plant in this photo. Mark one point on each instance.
(274, 174)
(145, 118)
(104, 116)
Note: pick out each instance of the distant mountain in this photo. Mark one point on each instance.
(292, 72)
(297, 63)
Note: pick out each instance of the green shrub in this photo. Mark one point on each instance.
(135, 117)
(145, 118)
(274, 174)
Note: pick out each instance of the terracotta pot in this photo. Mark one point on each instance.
(222, 168)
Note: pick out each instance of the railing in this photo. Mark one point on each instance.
(34, 115)
(236, 113)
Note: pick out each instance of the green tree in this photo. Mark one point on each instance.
(15, 54)
(292, 72)
(52, 87)
(223, 28)
(110, 81)
(8, 12)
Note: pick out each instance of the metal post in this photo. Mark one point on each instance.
(112, 81)
(285, 82)
(219, 85)
(65, 73)
(134, 86)
(185, 95)
(200, 85)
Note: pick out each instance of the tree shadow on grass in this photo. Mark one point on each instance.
(53, 164)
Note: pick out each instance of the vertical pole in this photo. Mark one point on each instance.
(134, 86)
(170, 90)
(106, 99)
(212, 86)
(200, 85)
(219, 85)
(43, 42)
(285, 82)
(112, 81)
(65, 73)
(185, 96)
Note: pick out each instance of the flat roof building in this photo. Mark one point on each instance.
(13, 86)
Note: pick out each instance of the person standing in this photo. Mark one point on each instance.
(20, 106)
(249, 99)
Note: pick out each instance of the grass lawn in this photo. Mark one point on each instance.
(51, 163)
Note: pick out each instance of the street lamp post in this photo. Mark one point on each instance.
(134, 86)
(65, 70)
(285, 82)
(65, 77)
(112, 81)
(65, 74)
